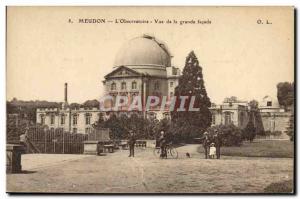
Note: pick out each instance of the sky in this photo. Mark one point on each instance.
(239, 56)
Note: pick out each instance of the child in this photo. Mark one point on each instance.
(212, 151)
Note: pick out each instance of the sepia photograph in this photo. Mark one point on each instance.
(150, 100)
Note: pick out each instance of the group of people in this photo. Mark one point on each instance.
(212, 145)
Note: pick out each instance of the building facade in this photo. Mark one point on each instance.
(274, 117)
(230, 112)
(71, 119)
(142, 68)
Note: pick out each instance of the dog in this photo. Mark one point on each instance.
(188, 155)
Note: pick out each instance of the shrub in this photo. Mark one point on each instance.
(230, 135)
(276, 133)
(268, 133)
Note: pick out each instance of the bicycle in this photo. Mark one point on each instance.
(171, 151)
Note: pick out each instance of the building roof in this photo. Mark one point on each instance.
(143, 51)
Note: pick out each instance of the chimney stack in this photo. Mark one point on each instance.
(66, 93)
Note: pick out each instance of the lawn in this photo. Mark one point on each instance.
(260, 148)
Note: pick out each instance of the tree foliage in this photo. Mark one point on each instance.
(257, 119)
(189, 124)
(143, 128)
(285, 93)
(16, 126)
(249, 132)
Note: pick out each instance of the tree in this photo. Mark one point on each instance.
(285, 94)
(120, 125)
(257, 120)
(249, 132)
(191, 124)
(290, 128)
(91, 103)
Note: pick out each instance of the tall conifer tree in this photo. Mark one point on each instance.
(192, 123)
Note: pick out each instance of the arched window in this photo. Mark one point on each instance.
(133, 85)
(62, 119)
(43, 119)
(75, 117)
(123, 85)
(88, 118)
(52, 119)
(113, 86)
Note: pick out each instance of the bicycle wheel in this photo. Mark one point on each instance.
(173, 152)
(157, 152)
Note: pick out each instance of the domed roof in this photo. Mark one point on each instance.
(143, 51)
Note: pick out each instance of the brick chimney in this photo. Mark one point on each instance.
(65, 104)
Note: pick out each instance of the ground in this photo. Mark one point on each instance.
(118, 173)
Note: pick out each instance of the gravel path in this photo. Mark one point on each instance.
(117, 173)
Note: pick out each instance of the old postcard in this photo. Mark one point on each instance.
(167, 100)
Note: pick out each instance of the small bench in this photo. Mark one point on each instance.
(123, 146)
(109, 148)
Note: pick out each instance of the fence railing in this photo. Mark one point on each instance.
(59, 141)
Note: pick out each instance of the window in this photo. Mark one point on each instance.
(113, 86)
(123, 85)
(74, 130)
(88, 118)
(133, 85)
(213, 119)
(52, 119)
(171, 84)
(227, 118)
(62, 120)
(171, 94)
(87, 130)
(156, 85)
(42, 119)
(269, 103)
(75, 117)
(242, 118)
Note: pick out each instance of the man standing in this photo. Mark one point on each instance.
(206, 144)
(162, 143)
(217, 139)
(131, 143)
